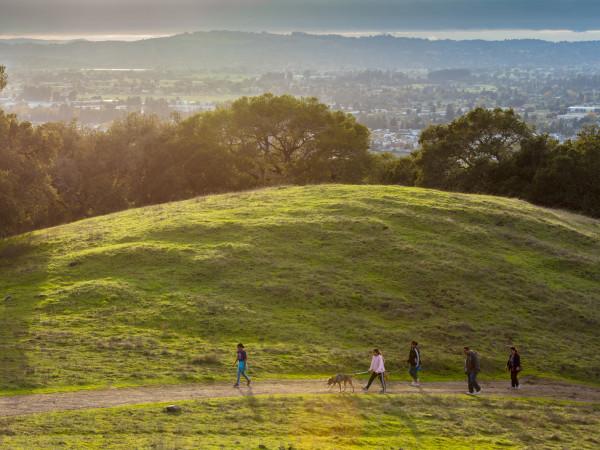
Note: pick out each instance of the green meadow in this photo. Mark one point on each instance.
(316, 422)
(310, 279)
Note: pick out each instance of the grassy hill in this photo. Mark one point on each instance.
(310, 279)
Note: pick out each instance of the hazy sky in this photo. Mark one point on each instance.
(26, 17)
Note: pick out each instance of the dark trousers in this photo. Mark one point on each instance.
(381, 379)
(514, 378)
(473, 385)
(414, 372)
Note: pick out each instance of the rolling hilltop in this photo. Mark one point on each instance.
(310, 279)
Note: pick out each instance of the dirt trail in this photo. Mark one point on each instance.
(39, 403)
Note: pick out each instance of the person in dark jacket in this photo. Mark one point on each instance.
(414, 362)
(514, 366)
(472, 368)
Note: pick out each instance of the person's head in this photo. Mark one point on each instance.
(466, 350)
(413, 344)
(514, 350)
(376, 352)
(240, 346)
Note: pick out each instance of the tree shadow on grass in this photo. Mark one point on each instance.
(400, 413)
(253, 403)
(20, 268)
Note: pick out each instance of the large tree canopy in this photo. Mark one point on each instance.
(461, 154)
(284, 139)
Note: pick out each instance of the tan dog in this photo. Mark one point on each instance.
(339, 379)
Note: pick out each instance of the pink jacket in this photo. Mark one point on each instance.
(377, 364)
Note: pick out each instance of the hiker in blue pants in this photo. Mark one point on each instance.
(242, 365)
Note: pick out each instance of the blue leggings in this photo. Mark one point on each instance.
(241, 371)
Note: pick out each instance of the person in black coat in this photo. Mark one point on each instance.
(414, 363)
(514, 366)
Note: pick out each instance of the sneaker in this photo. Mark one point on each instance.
(236, 385)
(469, 393)
(364, 388)
(382, 391)
(477, 392)
(248, 383)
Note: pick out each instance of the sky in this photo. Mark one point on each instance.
(573, 18)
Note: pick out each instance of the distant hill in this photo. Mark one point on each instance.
(262, 52)
(310, 279)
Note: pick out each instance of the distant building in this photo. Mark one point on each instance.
(579, 112)
(584, 109)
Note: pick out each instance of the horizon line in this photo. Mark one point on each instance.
(487, 34)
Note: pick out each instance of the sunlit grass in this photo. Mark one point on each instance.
(310, 279)
(326, 421)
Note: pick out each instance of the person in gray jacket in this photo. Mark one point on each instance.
(472, 368)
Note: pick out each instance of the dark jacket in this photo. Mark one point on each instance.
(514, 362)
(472, 362)
(414, 357)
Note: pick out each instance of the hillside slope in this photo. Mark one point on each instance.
(309, 278)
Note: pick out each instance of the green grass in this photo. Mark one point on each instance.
(310, 279)
(326, 421)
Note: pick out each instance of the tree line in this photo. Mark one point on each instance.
(59, 172)
(495, 152)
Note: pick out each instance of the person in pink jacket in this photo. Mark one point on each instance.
(377, 370)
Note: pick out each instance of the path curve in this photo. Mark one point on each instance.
(105, 398)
